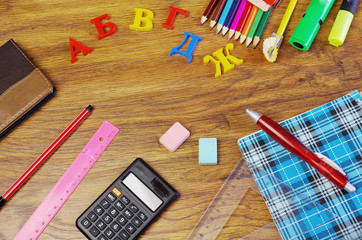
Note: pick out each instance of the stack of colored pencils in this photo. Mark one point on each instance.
(240, 18)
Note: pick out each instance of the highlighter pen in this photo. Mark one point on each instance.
(343, 22)
(310, 24)
(292, 144)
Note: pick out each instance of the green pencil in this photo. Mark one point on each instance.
(253, 28)
(261, 27)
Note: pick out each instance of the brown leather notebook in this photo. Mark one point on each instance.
(23, 88)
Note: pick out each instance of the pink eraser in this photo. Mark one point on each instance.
(174, 137)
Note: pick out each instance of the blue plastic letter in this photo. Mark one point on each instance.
(190, 48)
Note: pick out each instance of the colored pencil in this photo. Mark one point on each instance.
(208, 11)
(230, 16)
(224, 15)
(45, 155)
(237, 18)
(243, 19)
(215, 18)
(286, 17)
(254, 26)
(248, 23)
(261, 27)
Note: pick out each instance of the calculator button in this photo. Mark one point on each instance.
(102, 237)
(125, 200)
(142, 216)
(101, 225)
(137, 222)
(128, 214)
(111, 197)
(109, 233)
(107, 218)
(133, 208)
(92, 216)
(117, 192)
(99, 210)
(124, 235)
(115, 227)
(105, 204)
(113, 212)
(86, 223)
(130, 228)
(94, 231)
(122, 220)
(120, 206)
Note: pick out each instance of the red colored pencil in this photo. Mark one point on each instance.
(208, 11)
(243, 19)
(45, 155)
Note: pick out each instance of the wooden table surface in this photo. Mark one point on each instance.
(133, 83)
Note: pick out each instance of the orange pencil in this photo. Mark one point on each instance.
(248, 23)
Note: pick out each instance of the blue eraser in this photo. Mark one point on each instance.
(207, 151)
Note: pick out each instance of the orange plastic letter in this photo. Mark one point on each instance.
(76, 48)
(100, 27)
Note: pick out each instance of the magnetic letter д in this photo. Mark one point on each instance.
(142, 20)
(190, 48)
(101, 27)
(76, 48)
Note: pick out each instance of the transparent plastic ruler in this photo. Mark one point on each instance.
(233, 190)
(224, 203)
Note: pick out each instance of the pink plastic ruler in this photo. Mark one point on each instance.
(68, 183)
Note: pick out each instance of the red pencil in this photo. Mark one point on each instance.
(45, 155)
(208, 11)
(243, 19)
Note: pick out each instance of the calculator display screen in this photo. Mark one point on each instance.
(142, 192)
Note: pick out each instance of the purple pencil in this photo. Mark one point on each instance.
(237, 17)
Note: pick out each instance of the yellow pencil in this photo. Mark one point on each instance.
(286, 17)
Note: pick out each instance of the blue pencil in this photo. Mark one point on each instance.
(224, 14)
(230, 17)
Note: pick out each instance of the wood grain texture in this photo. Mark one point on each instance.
(133, 83)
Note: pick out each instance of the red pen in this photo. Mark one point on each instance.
(45, 155)
(330, 170)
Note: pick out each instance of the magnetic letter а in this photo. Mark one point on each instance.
(76, 48)
(100, 27)
(224, 60)
(191, 47)
(143, 20)
(172, 15)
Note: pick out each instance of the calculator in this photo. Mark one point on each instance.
(128, 206)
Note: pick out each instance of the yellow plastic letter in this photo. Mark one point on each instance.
(223, 60)
(227, 66)
(208, 58)
(143, 20)
(232, 59)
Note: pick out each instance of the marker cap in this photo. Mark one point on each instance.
(340, 28)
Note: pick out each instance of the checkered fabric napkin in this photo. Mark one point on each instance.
(302, 202)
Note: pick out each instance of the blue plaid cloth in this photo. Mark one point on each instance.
(303, 203)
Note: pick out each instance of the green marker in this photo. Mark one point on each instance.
(310, 24)
(343, 22)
